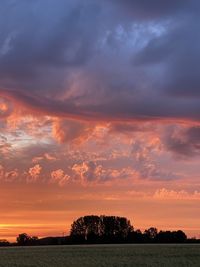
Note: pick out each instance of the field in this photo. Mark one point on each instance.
(101, 256)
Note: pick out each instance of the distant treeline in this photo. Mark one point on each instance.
(104, 230)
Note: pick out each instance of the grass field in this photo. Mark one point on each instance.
(101, 256)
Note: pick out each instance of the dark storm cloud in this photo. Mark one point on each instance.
(179, 51)
(102, 59)
(39, 39)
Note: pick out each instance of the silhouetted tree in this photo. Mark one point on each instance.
(34, 240)
(115, 228)
(171, 237)
(136, 236)
(164, 237)
(87, 228)
(104, 228)
(180, 236)
(150, 234)
(24, 240)
(4, 243)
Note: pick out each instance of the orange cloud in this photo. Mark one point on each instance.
(11, 175)
(34, 173)
(71, 130)
(1, 172)
(8, 176)
(59, 177)
(46, 156)
(5, 108)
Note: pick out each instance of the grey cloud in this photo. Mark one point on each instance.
(145, 9)
(146, 162)
(103, 60)
(184, 142)
(42, 39)
(177, 52)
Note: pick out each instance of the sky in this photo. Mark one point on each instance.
(99, 114)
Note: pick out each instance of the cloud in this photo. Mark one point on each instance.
(5, 147)
(69, 130)
(183, 141)
(5, 108)
(128, 128)
(59, 177)
(49, 157)
(146, 157)
(8, 176)
(96, 78)
(94, 173)
(147, 10)
(34, 173)
(87, 171)
(46, 156)
(164, 194)
(133, 66)
(11, 175)
(1, 172)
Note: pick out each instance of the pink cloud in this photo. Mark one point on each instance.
(34, 173)
(11, 175)
(59, 177)
(71, 130)
(5, 108)
(166, 194)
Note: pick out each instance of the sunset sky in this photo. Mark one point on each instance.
(99, 114)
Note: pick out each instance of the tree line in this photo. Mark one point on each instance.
(114, 229)
(104, 230)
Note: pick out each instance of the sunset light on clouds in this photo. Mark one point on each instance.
(99, 114)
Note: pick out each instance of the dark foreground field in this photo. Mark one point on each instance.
(101, 255)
